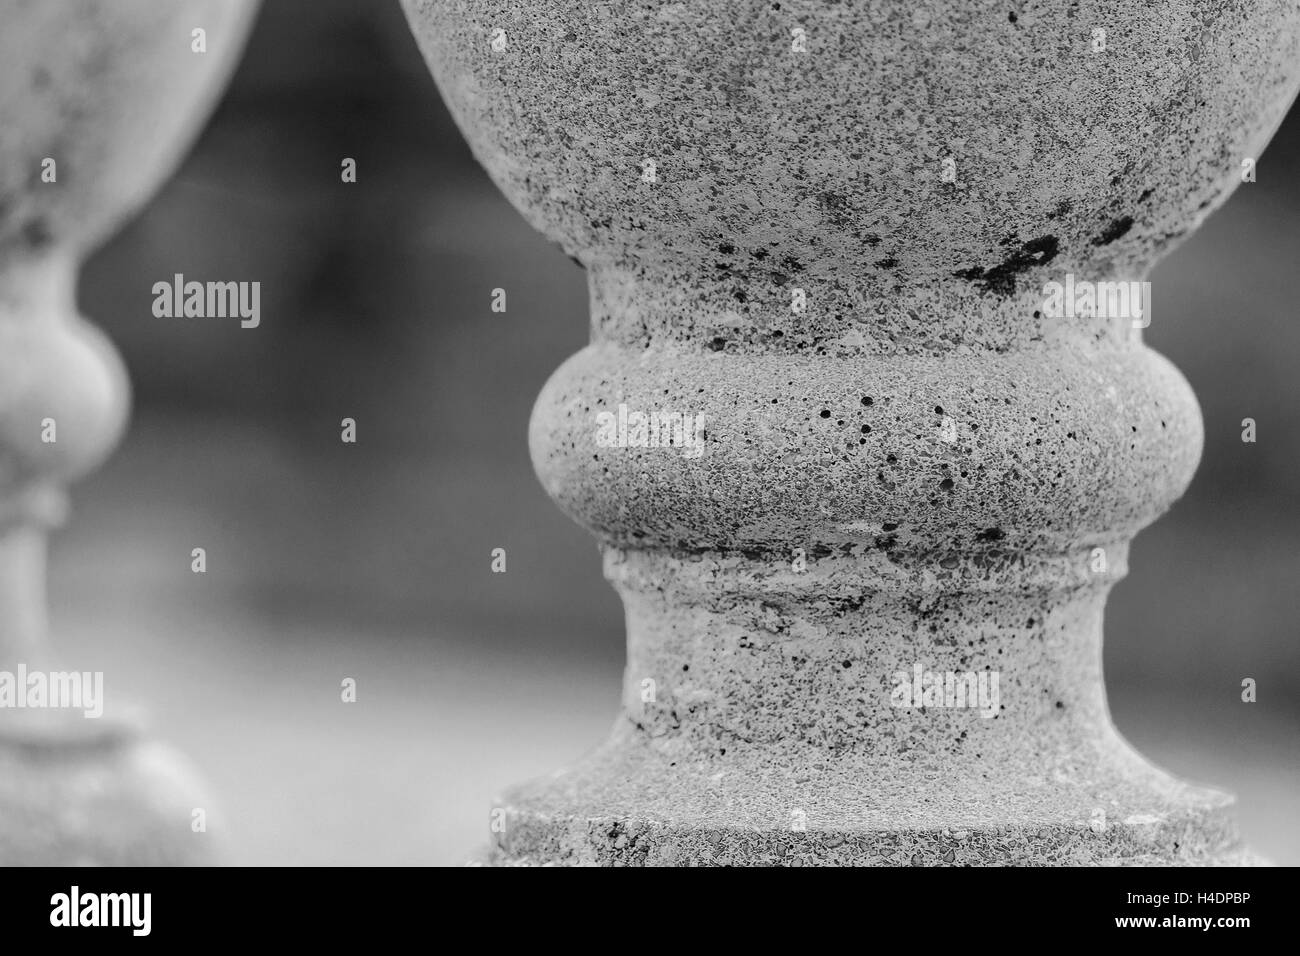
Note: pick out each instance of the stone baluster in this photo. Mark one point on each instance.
(830, 230)
(98, 101)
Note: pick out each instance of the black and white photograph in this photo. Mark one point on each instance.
(478, 434)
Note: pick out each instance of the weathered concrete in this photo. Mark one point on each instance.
(919, 467)
(113, 93)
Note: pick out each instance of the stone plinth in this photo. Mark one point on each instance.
(830, 230)
(98, 100)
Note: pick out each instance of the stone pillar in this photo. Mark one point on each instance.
(98, 100)
(830, 230)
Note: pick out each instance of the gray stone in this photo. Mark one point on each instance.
(111, 91)
(959, 470)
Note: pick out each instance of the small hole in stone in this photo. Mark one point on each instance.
(826, 413)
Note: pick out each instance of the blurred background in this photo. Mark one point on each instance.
(328, 560)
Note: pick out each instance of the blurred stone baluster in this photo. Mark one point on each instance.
(98, 101)
(831, 230)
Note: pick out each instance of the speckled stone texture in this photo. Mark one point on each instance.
(921, 466)
(113, 93)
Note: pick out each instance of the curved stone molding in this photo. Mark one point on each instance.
(98, 101)
(830, 230)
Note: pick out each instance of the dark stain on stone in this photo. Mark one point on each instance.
(1001, 279)
(1062, 209)
(37, 234)
(726, 248)
(1116, 229)
(837, 209)
(1146, 194)
(991, 534)
(886, 263)
(849, 603)
(833, 201)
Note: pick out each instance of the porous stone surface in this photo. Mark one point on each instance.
(911, 463)
(113, 92)
(824, 169)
